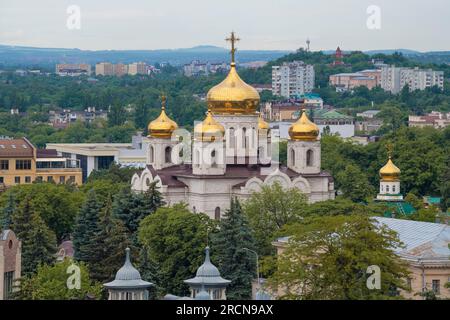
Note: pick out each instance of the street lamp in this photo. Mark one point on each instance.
(257, 265)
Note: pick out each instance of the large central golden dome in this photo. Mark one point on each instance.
(233, 95)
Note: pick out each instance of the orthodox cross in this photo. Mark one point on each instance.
(233, 39)
(390, 148)
(163, 101)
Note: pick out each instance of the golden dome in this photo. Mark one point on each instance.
(263, 126)
(163, 126)
(304, 129)
(390, 172)
(209, 129)
(233, 95)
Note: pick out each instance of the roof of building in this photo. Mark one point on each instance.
(207, 274)
(128, 277)
(325, 114)
(401, 207)
(47, 153)
(16, 148)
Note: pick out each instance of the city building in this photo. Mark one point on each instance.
(286, 110)
(197, 68)
(98, 156)
(120, 69)
(434, 119)
(73, 70)
(104, 69)
(10, 262)
(368, 122)
(338, 57)
(368, 114)
(292, 79)
(348, 81)
(21, 162)
(128, 284)
(393, 78)
(208, 279)
(138, 68)
(426, 254)
(231, 154)
(64, 117)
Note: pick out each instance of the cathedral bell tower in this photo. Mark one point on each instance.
(209, 147)
(160, 140)
(303, 151)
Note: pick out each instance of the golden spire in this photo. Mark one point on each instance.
(163, 126)
(233, 95)
(390, 172)
(304, 129)
(209, 129)
(233, 39)
(262, 124)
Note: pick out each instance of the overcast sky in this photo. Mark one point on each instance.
(261, 24)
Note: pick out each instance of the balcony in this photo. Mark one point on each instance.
(57, 164)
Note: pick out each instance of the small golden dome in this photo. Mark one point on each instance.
(163, 126)
(262, 124)
(233, 95)
(209, 129)
(304, 129)
(390, 172)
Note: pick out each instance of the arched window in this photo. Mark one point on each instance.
(309, 158)
(393, 188)
(244, 138)
(217, 213)
(213, 159)
(231, 137)
(197, 158)
(387, 188)
(292, 155)
(167, 154)
(194, 209)
(152, 154)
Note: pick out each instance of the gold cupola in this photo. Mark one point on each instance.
(390, 172)
(163, 126)
(263, 126)
(233, 95)
(209, 130)
(304, 129)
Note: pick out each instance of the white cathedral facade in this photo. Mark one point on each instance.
(232, 153)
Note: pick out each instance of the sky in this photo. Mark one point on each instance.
(261, 24)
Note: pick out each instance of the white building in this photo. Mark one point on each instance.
(231, 154)
(292, 79)
(393, 78)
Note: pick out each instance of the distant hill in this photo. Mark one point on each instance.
(48, 57)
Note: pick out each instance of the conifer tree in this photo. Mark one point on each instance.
(86, 229)
(109, 244)
(38, 241)
(229, 246)
(8, 211)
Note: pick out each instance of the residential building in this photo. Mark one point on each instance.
(137, 68)
(292, 79)
(434, 119)
(10, 262)
(368, 114)
(393, 78)
(349, 81)
(368, 121)
(197, 68)
(22, 163)
(120, 69)
(73, 70)
(64, 117)
(104, 69)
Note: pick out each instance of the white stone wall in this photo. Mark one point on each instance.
(297, 153)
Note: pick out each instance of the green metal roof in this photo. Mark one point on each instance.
(401, 208)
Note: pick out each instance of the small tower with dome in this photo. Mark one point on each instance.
(303, 151)
(208, 280)
(128, 284)
(160, 140)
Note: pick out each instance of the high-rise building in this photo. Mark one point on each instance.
(393, 78)
(120, 69)
(104, 69)
(73, 70)
(292, 79)
(137, 68)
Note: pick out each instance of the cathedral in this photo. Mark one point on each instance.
(232, 153)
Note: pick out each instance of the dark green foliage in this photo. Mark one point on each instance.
(234, 262)
(8, 211)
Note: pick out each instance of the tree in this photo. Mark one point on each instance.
(174, 239)
(328, 258)
(269, 210)
(38, 242)
(86, 229)
(444, 187)
(229, 246)
(116, 114)
(50, 283)
(8, 211)
(354, 184)
(109, 246)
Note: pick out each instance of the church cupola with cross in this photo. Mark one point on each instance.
(389, 180)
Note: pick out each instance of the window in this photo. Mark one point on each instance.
(436, 286)
(4, 164)
(39, 179)
(213, 159)
(217, 213)
(72, 179)
(16, 179)
(292, 155)
(8, 284)
(23, 164)
(2, 180)
(309, 158)
(387, 188)
(62, 179)
(393, 189)
(151, 155)
(167, 154)
(49, 179)
(27, 179)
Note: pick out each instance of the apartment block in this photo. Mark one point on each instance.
(393, 78)
(292, 79)
(73, 70)
(104, 69)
